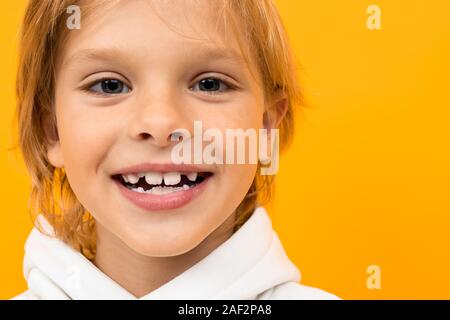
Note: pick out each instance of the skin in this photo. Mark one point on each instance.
(100, 133)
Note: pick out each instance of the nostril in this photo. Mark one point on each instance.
(176, 136)
(145, 135)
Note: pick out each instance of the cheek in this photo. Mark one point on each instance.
(239, 178)
(86, 134)
(245, 112)
(246, 116)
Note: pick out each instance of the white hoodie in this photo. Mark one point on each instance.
(251, 264)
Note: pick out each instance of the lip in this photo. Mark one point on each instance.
(161, 167)
(153, 202)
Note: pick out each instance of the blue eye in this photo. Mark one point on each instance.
(110, 86)
(211, 85)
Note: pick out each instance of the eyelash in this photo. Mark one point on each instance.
(88, 87)
(228, 85)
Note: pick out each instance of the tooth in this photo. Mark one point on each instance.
(125, 177)
(141, 190)
(185, 187)
(153, 177)
(132, 178)
(171, 178)
(141, 174)
(192, 176)
(157, 190)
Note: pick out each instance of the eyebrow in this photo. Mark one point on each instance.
(99, 54)
(220, 53)
(114, 53)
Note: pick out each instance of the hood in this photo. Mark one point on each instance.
(246, 265)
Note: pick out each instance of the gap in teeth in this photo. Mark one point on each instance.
(157, 178)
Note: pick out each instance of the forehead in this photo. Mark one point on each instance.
(191, 27)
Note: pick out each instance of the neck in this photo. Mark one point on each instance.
(140, 274)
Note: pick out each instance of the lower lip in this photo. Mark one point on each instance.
(153, 202)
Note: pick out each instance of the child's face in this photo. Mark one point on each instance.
(153, 87)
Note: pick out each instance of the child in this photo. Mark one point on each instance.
(101, 94)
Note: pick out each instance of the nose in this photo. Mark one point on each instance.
(157, 119)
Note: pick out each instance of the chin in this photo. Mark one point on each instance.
(163, 247)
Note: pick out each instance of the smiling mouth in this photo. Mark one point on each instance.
(157, 183)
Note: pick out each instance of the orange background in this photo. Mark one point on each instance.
(367, 180)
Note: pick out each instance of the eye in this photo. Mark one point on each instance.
(211, 85)
(109, 86)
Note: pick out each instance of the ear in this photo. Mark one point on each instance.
(277, 108)
(52, 143)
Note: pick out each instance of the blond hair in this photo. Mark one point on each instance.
(254, 22)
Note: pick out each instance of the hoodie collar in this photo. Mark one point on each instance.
(248, 263)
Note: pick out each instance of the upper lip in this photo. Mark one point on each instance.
(161, 167)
